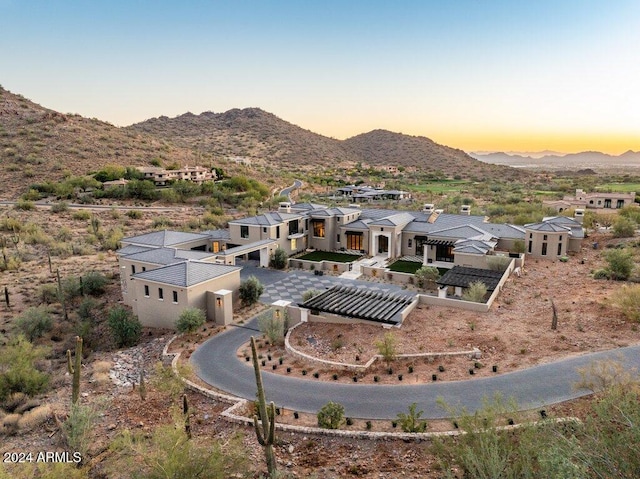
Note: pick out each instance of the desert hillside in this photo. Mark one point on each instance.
(256, 134)
(38, 144)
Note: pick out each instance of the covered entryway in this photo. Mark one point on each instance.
(256, 251)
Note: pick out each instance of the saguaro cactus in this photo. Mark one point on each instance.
(75, 370)
(266, 430)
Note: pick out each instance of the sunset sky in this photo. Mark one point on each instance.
(475, 75)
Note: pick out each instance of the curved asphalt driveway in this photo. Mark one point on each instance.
(216, 363)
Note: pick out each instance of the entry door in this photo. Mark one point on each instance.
(383, 244)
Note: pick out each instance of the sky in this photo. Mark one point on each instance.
(478, 75)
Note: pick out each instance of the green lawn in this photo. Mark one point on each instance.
(328, 256)
(405, 266)
(619, 187)
(443, 186)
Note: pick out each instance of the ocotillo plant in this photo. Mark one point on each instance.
(75, 370)
(185, 412)
(266, 430)
(142, 390)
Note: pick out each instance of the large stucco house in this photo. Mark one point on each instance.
(164, 272)
(593, 200)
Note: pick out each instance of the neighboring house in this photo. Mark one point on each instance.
(162, 176)
(595, 200)
(554, 237)
(368, 194)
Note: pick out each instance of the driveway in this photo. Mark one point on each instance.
(216, 363)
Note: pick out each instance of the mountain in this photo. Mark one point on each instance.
(38, 144)
(586, 159)
(264, 137)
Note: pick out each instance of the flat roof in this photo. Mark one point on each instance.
(462, 276)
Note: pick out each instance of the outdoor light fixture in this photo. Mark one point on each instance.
(219, 302)
(277, 313)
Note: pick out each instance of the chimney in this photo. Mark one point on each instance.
(285, 207)
(465, 210)
(579, 215)
(428, 208)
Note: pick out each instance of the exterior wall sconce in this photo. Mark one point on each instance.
(219, 302)
(277, 313)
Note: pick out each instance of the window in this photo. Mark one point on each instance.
(530, 235)
(306, 224)
(530, 246)
(215, 247)
(133, 269)
(544, 237)
(559, 249)
(410, 243)
(264, 229)
(146, 290)
(318, 228)
(278, 232)
(244, 231)
(175, 296)
(293, 227)
(338, 238)
(294, 244)
(160, 294)
(620, 204)
(420, 242)
(544, 249)
(144, 269)
(444, 253)
(354, 240)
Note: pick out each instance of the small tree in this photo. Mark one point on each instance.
(17, 368)
(476, 292)
(387, 347)
(426, 276)
(411, 421)
(279, 259)
(272, 327)
(624, 227)
(620, 263)
(331, 415)
(34, 322)
(190, 320)
(250, 290)
(126, 327)
(498, 263)
(93, 283)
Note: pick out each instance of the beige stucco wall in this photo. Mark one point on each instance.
(154, 312)
(553, 239)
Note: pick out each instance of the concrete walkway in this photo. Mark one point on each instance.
(216, 363)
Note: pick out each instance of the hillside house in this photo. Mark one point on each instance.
(595, 200)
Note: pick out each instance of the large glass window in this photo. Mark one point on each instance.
(293, 227)
(354, 240)
(244, 231)
(420, 242)
(444, 253)
(318, 228)
(544, 249)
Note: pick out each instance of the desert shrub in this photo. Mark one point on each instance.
(125, 327)
(627, 299)
(169, 453)
(601, 274)
(620, 263)
(310, 293)
(623, 227)
(64, 234)
(94, 283)
(250, 290)
(60, 207)
(279, 259)
(498, 263)
(426, 276)
(79, 426)
(161, 222)
(134, 214)
(87, 309)
(331, 415)
(81, 215)
(476, 292)
(25, 205)
(37, 236)
(34, 322)
(190, 320)
(31, 195)
(34, 418)
(111, 240)
(71, 288)
(272, 327)
(45, 470)
(17, 368)
(411, 422)
(49, 293)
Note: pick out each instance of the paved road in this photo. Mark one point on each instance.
(287, 191)
(216, 363)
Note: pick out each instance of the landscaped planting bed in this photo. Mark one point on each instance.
(329, 256)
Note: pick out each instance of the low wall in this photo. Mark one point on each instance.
(324, 265)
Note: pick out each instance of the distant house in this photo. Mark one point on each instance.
(162, 176)
(595, 200)
(368, 194)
